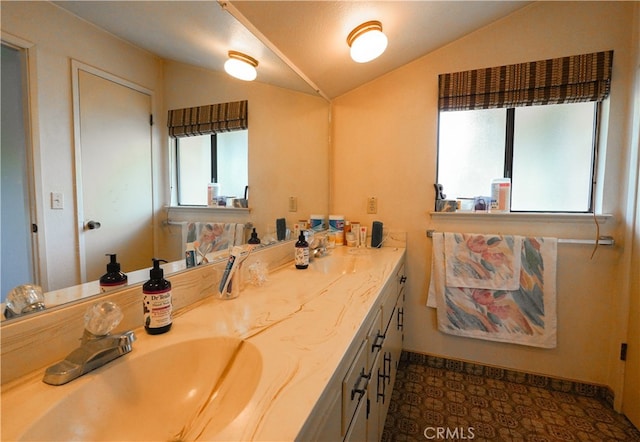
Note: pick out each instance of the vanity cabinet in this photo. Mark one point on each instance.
(365, 380)
(389, 357)
(390, 354)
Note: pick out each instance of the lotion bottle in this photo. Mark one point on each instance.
(156, 301)
(114, 278)
(302, 252)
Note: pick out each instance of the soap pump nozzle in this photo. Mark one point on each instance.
(254, 237)
(113, 266)
(157, 272)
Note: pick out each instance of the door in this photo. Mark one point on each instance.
(115, 188)
(17, 225)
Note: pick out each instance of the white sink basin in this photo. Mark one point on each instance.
(172, 393)
(356, 261)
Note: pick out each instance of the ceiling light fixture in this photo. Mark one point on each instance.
(367, 41)
(241, 66)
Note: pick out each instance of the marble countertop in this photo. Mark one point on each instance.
(302, 323)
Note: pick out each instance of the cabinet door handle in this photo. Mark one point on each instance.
(387, 367)
(381, 377)
(403, 279)
(400, 318)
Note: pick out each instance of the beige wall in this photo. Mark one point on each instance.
(384, 145)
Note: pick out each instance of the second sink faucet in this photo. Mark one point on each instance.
(98, 346)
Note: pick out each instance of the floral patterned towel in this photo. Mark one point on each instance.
(525, 316)
(482, 261)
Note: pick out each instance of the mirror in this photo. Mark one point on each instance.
(288, 139)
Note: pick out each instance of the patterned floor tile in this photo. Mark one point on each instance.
(441, 399)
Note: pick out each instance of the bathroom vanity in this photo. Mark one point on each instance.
(309, 355)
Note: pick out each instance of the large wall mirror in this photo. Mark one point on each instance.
(287, 139)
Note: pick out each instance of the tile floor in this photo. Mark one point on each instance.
(441, 399)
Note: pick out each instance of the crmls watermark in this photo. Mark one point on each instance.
(446, 433)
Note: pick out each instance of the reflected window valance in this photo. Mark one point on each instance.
(572, 79)
(210, 119)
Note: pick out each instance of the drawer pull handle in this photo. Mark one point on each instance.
(377, 342)
(361, 391)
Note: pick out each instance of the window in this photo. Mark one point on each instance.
(217, 158)
(211, 146)
(533, 122)
(547, 151)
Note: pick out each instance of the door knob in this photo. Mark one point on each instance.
(92, 225)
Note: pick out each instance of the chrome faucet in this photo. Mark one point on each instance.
(24, 299)
(98, 346)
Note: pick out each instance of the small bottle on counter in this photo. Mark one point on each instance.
(156, 301)
(114, 278)
(302, 252)
(500, 195)
(213, 191)
(254, 237)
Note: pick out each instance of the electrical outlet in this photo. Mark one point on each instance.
(293, 204)
(57, 200)
(372, 205)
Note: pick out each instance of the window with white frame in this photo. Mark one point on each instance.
(535, 123)
(211, 146)
(547, 151)
(217, 158)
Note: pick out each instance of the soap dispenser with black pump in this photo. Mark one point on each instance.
(254, 237)
(156, 301)
(114, 278)
(302, 252)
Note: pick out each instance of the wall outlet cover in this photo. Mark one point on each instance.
(372, 205)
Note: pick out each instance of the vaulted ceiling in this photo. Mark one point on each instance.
(300, 45)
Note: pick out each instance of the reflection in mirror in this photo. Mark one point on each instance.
(16, 224)
(290, 126)
(211, 152)
(211, 169)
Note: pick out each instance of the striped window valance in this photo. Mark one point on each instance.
(210, 119)
(571, 79)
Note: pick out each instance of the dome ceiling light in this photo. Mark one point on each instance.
(367, 41)
(241, 66)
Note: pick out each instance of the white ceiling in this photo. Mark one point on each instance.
(300, 45)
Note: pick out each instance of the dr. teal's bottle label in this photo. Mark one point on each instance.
(157, 309)
(302, 256)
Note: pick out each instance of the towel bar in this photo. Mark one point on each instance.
(602, 240)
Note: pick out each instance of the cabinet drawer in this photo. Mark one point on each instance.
(354, 386)
(388, 305)
(375, 340)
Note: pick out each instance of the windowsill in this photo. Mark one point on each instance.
(524, 216)
(212, 209)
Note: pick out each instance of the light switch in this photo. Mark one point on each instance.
(57, 200)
